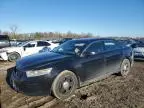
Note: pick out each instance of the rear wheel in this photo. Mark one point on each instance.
(13, 56)
(125, 67)
(64, 85)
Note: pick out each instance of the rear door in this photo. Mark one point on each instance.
(112, 56)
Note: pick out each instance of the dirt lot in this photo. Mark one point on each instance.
(113, 92)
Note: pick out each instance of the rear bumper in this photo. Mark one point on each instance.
(36, 86)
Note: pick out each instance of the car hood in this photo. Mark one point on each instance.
(3, 46)
(38, 60)
(11, 48)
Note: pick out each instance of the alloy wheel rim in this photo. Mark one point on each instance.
(66, 85)
(125, 69)
(13, 57)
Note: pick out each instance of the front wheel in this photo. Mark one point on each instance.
(64, 85)
(125, 67)
(13, 56)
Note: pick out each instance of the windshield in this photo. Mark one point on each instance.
(71, 47)
(22, 44)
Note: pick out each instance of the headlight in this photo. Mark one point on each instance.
(38, 72)
(3, 50)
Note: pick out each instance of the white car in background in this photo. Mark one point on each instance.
(25, 49)
(139, 50)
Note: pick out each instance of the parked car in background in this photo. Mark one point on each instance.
(61, 41)
(24, 49)
(4, 41)
(69, 66)
(15, 42)
(64, 40)
(128, 42)
(45, 49)
(139, 50)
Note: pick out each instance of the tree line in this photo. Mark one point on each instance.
(13, 34)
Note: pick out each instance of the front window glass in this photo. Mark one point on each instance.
(95, 47)
(22, 44)
(71, 47)
(30, 45)
(27, 44)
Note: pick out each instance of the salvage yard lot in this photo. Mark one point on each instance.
(112, 92)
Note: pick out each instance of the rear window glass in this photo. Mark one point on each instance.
(41, 43)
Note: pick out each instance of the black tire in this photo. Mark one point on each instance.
(125, 67)
(64, 85)
(13, 56)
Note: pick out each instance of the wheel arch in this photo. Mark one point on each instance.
(56, 79)
(130, 59)
(57, 72)
(14, 52)
(17, 55)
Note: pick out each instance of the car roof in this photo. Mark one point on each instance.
(91, 39)
(38, 41)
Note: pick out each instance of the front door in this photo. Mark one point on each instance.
(93, 60)
(29, 49)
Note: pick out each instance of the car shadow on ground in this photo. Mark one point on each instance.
(139, 60)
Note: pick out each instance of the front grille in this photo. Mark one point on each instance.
(18, 73)
(138, 53)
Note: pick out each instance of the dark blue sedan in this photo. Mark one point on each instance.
(71, 65)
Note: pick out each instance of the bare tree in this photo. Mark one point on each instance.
(14, 29)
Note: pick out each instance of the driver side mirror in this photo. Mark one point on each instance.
(24, 48)
(87, 54)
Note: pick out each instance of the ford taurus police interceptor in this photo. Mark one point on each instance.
(69, 66)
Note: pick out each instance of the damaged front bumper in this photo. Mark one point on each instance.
(37, 86)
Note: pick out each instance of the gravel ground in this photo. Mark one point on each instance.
(112, 92)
